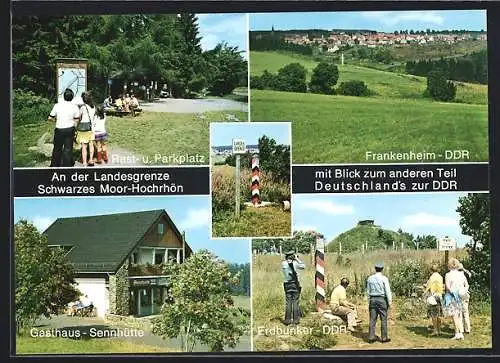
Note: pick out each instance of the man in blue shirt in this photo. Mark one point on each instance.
(291, 284)
(379, 302)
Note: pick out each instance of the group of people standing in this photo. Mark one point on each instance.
(449, 297)
(82, 125)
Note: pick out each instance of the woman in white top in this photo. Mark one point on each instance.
(85, 136)
(465, 299)
(455, 283)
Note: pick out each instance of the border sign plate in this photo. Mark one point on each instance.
(239, 146)
(447, 244)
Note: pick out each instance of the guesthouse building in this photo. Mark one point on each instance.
(118, 258)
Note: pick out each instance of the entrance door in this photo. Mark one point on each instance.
(144, 302)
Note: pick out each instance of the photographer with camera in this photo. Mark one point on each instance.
(292, 287)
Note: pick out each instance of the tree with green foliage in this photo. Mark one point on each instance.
(353, 88)
(292, 78)
(199, 307)
(165, 49)
(439, 88)
(266, 80)
(426, 242)
(302, 242)
(324, 77)
(228, 69)
(242, 286)
(44, 278)
(475, 221)
(383, 55)
(274, 158)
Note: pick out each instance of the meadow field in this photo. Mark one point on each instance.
(146, 136)
(269, 221)
(26, 344)
(341, 129)
(409, 327)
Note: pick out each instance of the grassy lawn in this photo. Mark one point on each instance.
(340, 129)
(254, 222)
(147, 135)
(408, 323)
(30, 345)
(384, 84)
(242, 301)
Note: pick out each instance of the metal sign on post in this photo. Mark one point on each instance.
(447, 244)
(239, 147)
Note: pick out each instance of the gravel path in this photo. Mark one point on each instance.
(194, 106)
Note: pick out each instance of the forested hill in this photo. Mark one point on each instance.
(372, 236)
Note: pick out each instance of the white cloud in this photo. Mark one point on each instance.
(325, 206)
(209, 41)
(196, 218)
(427, 219)
(391, 18)
(216, 28)
(42, 223)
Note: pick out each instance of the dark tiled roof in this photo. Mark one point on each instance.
(101, 243)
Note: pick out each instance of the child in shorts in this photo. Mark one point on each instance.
(100, 134)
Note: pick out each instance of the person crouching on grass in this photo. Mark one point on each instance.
(343, 308)
(85, 136)
(435, 288)
(100, 134)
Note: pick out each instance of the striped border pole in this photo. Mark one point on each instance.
(319, 280)
(255, 187)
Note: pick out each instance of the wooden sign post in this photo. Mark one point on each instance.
(447, 244)
(239, 147)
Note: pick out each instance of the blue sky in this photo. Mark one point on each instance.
(417, 213)
(189, 213)
(387, 21)
(222, 133)
(231, 28)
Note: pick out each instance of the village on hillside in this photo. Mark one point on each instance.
(373, 39)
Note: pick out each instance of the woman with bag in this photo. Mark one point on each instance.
(455, 282)
(435, 288)
(85, 136)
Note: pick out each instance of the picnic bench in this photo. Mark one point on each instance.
(121, 113)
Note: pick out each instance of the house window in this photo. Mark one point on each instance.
(173, 254)
(160, 229)
(159, 257)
